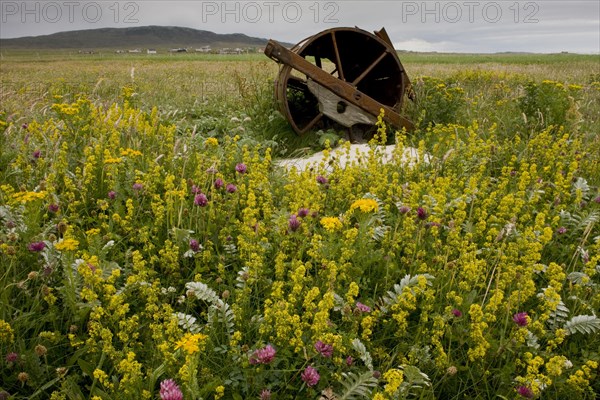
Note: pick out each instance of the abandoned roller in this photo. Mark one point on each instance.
(340, 78)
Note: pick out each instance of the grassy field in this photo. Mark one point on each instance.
(151, 248)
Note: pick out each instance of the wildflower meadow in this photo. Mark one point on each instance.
(152, 248)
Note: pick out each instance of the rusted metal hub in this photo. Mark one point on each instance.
(341, 76)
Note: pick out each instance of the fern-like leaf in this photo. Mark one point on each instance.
(187, 322)
(379, 232)
(231, 251)
(559, 315)
(586, 324)
(202, 292)
(579, 278)
(222, 312)
(581, 185)
(364, 355)
(15, 216)
(357, 386)
(408, 281)
(241, 278)
(327, 394)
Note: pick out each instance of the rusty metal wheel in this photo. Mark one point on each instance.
(366, 62)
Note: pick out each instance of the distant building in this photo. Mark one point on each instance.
(204, 49)
(228, 50)
(178, 50)
(151, 51)
(134, 51)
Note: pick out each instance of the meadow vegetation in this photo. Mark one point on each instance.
(150, 247)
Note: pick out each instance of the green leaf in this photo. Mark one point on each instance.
(86, 366)
(357, 386)
(586, 324)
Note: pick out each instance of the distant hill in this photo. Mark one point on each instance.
(135, 37)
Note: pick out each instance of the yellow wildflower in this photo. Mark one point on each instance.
(67, 245)
(211, 142)
(219, 391)
(394, 378)
(191, 342)
(130, 153)
(112, 160)
(365, 205)
(26, 197)
(331, 224)
(6, 332)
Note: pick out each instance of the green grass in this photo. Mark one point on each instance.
(478, 265)
(209, 93)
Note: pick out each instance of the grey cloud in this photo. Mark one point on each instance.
(477, 26)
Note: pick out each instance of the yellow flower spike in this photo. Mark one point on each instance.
(394, 378)
(211, 142)
(6, 332)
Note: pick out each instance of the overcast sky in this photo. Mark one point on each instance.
(544, 26)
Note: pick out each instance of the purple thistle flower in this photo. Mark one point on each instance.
(265, 394)
(597, 200)
(37, 154)
(457, 313)
(25, 126)
(194, 245)
(241, 168)
(349, 361)
(421, 213)
(137, 187)
(219, 183)
(525, 391)
(36, 246)
(231, 188)
(53, 208)
(561, 230)
(520, 318)
(293, 223)
(326, 350)
(264, 355)
(112, 194)
(321, 179)
(310, 376)
(303, 212)
(196, 189)
(362, 307)
(200, 200)
(12, 357)
(4, 395)
(170, 391)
